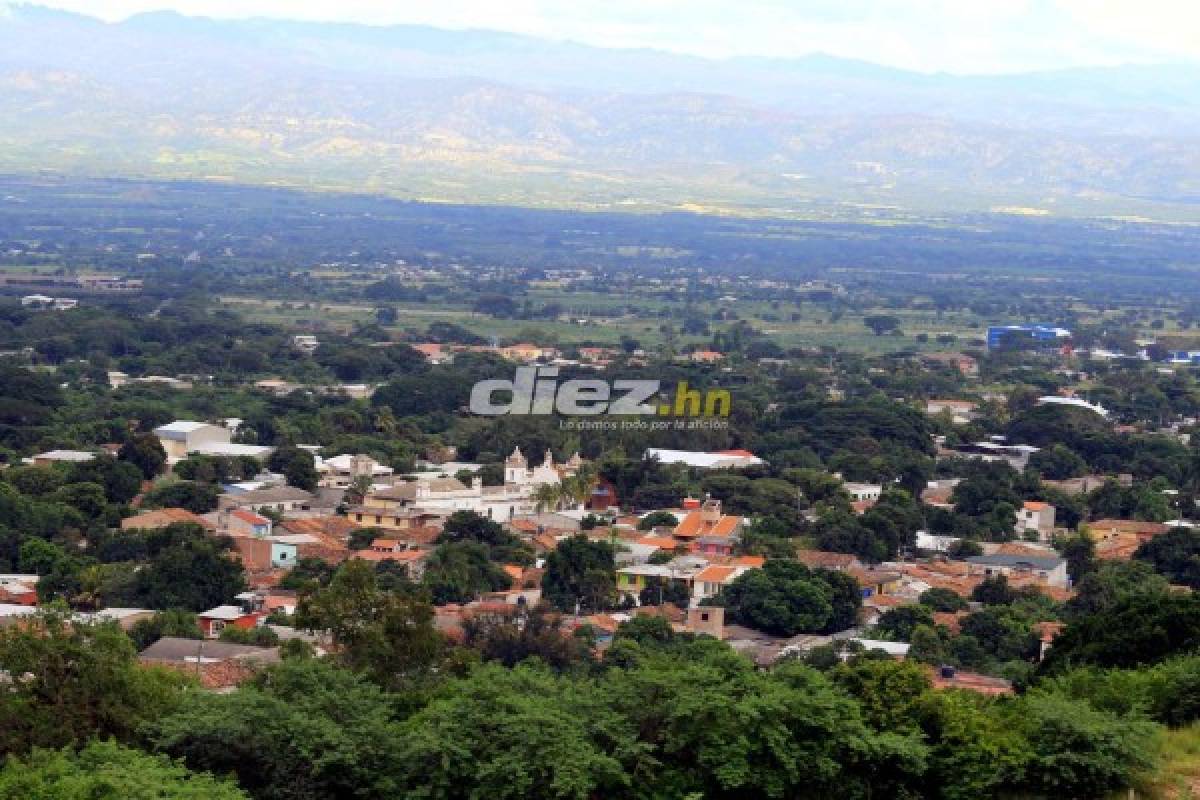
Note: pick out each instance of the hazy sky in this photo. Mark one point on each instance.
(954, 35)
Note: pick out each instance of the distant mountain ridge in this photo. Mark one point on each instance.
(498, 117)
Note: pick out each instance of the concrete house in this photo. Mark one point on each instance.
(181, 437)
(184, 437)
(1036, 516)
(1049, 570)
(215, 620)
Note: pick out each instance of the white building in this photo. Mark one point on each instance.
(1036, 516)
(339, 472)
(184, 437)
(500, 503)
(60, 457)
(961, 411)
(724, 459)
(935, 543)
(863, 492)
(1074, 402)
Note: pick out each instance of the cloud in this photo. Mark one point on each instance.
(928, 35)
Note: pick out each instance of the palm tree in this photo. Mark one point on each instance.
(385, 421)
(92, 581)
(358, 489)
(547, 496)
(578, 487)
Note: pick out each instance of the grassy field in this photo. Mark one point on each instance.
(814, 327)
(598, 317)
(1178, 778)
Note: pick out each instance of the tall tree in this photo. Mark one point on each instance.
(388, 636)
(580, 571)
(145, 452)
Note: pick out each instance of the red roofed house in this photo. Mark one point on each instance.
(161, 518)
(255, 552)
(709, 581)
(215, 620)
(433, 352)
(709, 531)
(243, 522)
(1119, 539)
(952, 678)
(1047, 632)
(603, 496)
(1036, 516)
(412, 559)
(19, 590)
(821, 559)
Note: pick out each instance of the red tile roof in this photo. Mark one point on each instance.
(1127, 526)
(715, 574)
(971, 681)
(403, 556)
(826, 560)
(661, 542)
(161, 518)
(336, 527)
(249, 517)
(694, 525)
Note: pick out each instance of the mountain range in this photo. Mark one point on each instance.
(481, 116)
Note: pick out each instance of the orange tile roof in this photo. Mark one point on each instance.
(725, 526)
(887, 601)
(1035, 505)
(1047, 631)
(1118, 548)
(661, 542)
(336, 527)
(714, 574)
(390, 544)
(694, 525)
(545, 541)
(825, 559)
(971, 681)
(872, 577)
(515, 572)
(404, 556)
(418, 534)
(1128, 526)
(748, 561)
(161, 518)
(603, 622)
(428, 349)
(936, 496)
(249, 517)
(1021, 549)
(950, 619)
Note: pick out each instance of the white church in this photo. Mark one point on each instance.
(500, 503)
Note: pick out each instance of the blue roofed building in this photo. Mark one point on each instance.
(1049, 336)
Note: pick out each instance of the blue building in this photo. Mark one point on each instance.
(1047, 336)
